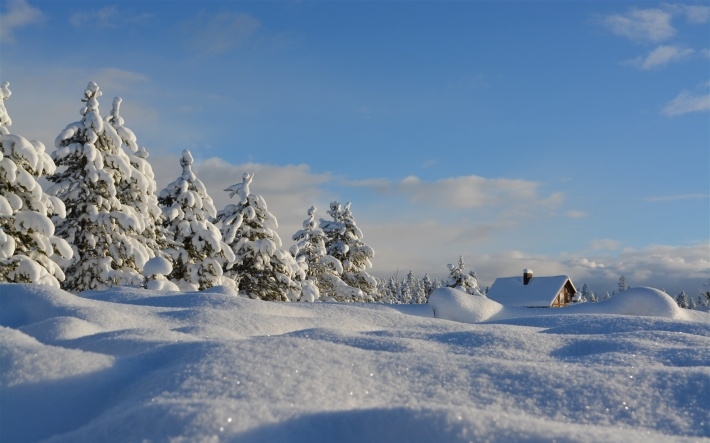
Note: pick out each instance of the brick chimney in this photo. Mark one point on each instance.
(527, 275)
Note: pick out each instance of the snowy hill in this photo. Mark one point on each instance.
(136, 365)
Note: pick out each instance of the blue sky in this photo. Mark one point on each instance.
(567, 137)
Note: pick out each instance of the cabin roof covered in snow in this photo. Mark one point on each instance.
(539, 292)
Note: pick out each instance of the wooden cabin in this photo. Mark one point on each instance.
(533, 292)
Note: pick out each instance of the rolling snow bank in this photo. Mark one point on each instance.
(137, 365)
(451, 304)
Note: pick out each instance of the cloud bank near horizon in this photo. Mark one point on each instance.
(427, 240)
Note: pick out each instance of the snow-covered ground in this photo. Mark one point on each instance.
(133, 365)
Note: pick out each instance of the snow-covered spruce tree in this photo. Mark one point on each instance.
(136, 191)
(196, 248)
(262, 269)
(390, 290)
(682, 300)
(28, 245)
(344, 243)
(99, 228)
(429, 287)
(322, 269)
(461, 281)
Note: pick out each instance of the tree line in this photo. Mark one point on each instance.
(102, 223)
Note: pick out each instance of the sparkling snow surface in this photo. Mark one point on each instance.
(137, 365)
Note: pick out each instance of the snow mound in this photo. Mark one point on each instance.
(61, 328)
(636, 301)
(452, 304)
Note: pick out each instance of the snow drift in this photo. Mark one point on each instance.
(136, 365)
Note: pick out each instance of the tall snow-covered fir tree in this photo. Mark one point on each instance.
(344, 242)
(262, 269)
(196, 248)
(136, 191)
(462, 281)
(28, 245)
(322, 269)
(101, 231)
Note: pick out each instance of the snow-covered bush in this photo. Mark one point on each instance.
(196, 248)
(100, 229)
(28, 246)
(262, 268)
(156, 271)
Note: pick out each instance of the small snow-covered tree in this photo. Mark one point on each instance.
(585, 293)
(344, 243)
(262, 268)
(321, 268)
(196, 248)
(461, 281)
(28, 245)
(704, 295)
(622, 284)
(682, 300)
(388, 290)
(99, 228)
(136, 190)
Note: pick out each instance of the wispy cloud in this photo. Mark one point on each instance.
(604, 244)
(696, 14)
(108, 17)
(668, 198)
(102, 18)
(117, 80)
(662, 56)
(687, 102)
(652, 25)
(18, 14)
(465, 192)
(218, 33)
(576, 214)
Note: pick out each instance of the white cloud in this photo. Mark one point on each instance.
(687, 102)
(672, 268)
(662, 56)
(219, 33)
(288, 190)
(18, 14)
(652, 25)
